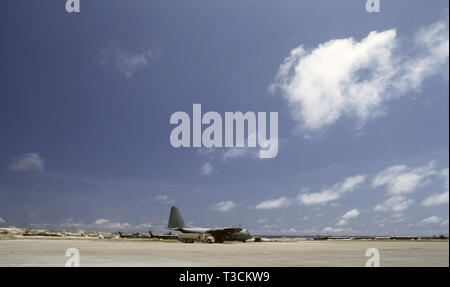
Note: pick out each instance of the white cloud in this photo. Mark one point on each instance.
(71, 223)
(164, 198)
(206, 169)
(228, 153)
(2, 220)
(128, 63)
(236, 152)
(274, 203)
(28, 162)
(332, 193)
(398, 215)
(348, 215)
(441, 198)
(117, 226)
(351, 214)
(433, 42)
(331, 230)
(436, 199)
(444, 174)
(100, 224)
(290, 230)
(224, 206)
(347, 78)
(394, 204)
(399, 181)
(318, 197)
(431, 220)
(101, 221)
(207, 152)
(342, 222)
(106, 224)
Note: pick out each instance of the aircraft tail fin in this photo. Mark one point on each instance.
(175, 219)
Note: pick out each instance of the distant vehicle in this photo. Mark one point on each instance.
(194, 237)
(220, 234)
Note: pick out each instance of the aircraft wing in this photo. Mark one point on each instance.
(225, 230)
(222, 233)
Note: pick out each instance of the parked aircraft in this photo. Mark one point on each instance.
(220, 234)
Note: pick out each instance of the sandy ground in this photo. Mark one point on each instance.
(45, 252)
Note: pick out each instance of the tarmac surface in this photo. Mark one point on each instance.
(52, 252)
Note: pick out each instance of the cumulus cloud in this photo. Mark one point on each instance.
(235, 153)
(442, 198)
(394, 204)
(355, 79)
(432, 42)
(290, 230)
(332, 193)
(436, 199)
(71, 224)
(444, 174)
(128, 63)
(400, 181)
(431, 220)
(274, 203)
(101, 221)
(224, 206)
(207, 152)
(331, 230)
(348, 215)
(206, 169)
(228, 154)
(164, 198)
(100, 224)
(106, 224)
(28, 162)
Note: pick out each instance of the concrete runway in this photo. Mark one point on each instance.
(51, 252)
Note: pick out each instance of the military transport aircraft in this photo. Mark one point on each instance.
(220, 234)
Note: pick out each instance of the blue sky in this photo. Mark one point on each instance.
(86, 98)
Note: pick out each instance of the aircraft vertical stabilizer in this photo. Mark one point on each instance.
(175, 219)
